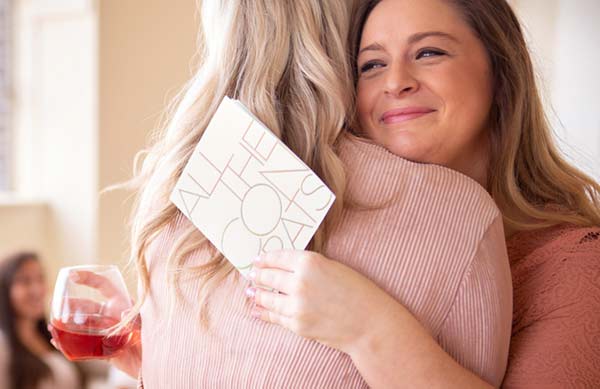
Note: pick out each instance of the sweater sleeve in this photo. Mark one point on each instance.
(476, 331)
(559, 345)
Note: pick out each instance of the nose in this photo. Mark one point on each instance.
(400, 81)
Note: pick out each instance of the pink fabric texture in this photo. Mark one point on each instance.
(556, 323)
(437, 247)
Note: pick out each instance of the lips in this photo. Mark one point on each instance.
(403, 114)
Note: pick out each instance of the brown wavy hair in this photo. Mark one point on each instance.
(26, 369)
(531, 182)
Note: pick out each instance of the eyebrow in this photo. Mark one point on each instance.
(372, 47)
(422, 35)
(413, 39)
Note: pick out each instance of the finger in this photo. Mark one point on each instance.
(55, 345)
(279, 259)
(277, 303)
(270, 317)
(276, 279)
(83, 305)
(96, 281)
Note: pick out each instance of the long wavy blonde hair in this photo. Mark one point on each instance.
(287, 62)
(531, 182)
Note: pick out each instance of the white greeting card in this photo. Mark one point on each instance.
(247, 192)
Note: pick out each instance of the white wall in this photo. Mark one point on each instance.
(55, 129)
(145, 51)
(92, 77)
(564, 36)
(24, 226)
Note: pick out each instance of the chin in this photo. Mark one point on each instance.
(406, 149)
(36, 315)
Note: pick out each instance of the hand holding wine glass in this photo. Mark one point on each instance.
(88, 307)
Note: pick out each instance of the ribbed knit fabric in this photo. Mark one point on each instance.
(436, 245)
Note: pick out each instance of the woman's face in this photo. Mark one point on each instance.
(425, 85)
(28, 291)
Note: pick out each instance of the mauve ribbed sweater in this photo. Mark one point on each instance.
(438, 248)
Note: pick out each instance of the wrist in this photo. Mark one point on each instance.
(377, 330)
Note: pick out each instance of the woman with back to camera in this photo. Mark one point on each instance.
(27, 360)
(401, 232)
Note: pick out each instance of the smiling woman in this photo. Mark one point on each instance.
(425, 86)
(27, 361)
(452, 83)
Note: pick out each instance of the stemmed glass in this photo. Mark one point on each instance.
(88, 307)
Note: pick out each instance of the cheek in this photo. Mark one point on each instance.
(467, 96)
(18, 298)
(365, 101)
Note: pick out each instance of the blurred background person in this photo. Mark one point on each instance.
(27, 359)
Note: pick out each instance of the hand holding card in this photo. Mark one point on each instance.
(247, 192)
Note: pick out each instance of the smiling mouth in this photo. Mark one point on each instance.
(403, 117)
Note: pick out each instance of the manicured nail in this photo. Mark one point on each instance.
(250, 292)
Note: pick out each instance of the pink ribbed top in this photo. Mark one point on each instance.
(438, 248)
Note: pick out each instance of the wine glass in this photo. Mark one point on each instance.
(88, 306)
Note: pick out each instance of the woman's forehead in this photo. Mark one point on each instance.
(29, 266)
(401, 19)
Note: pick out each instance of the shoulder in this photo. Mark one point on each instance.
(3, 341)
(4, 350)
(426, 193)
(163, 241)
(574, 246)
(556, 273)
(556, 279)
(4, 361)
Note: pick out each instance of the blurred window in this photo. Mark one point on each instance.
(5, 94)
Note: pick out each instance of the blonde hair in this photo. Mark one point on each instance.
(287, 62)
(530, 181)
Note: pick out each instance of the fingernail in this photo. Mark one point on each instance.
(75, 277)
(250, 292)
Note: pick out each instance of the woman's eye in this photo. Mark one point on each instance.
(427, 53)
(370, 66)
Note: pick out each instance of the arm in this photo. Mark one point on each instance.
(324, 300)
(128, 360)
(399, 350)
(476, 331)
